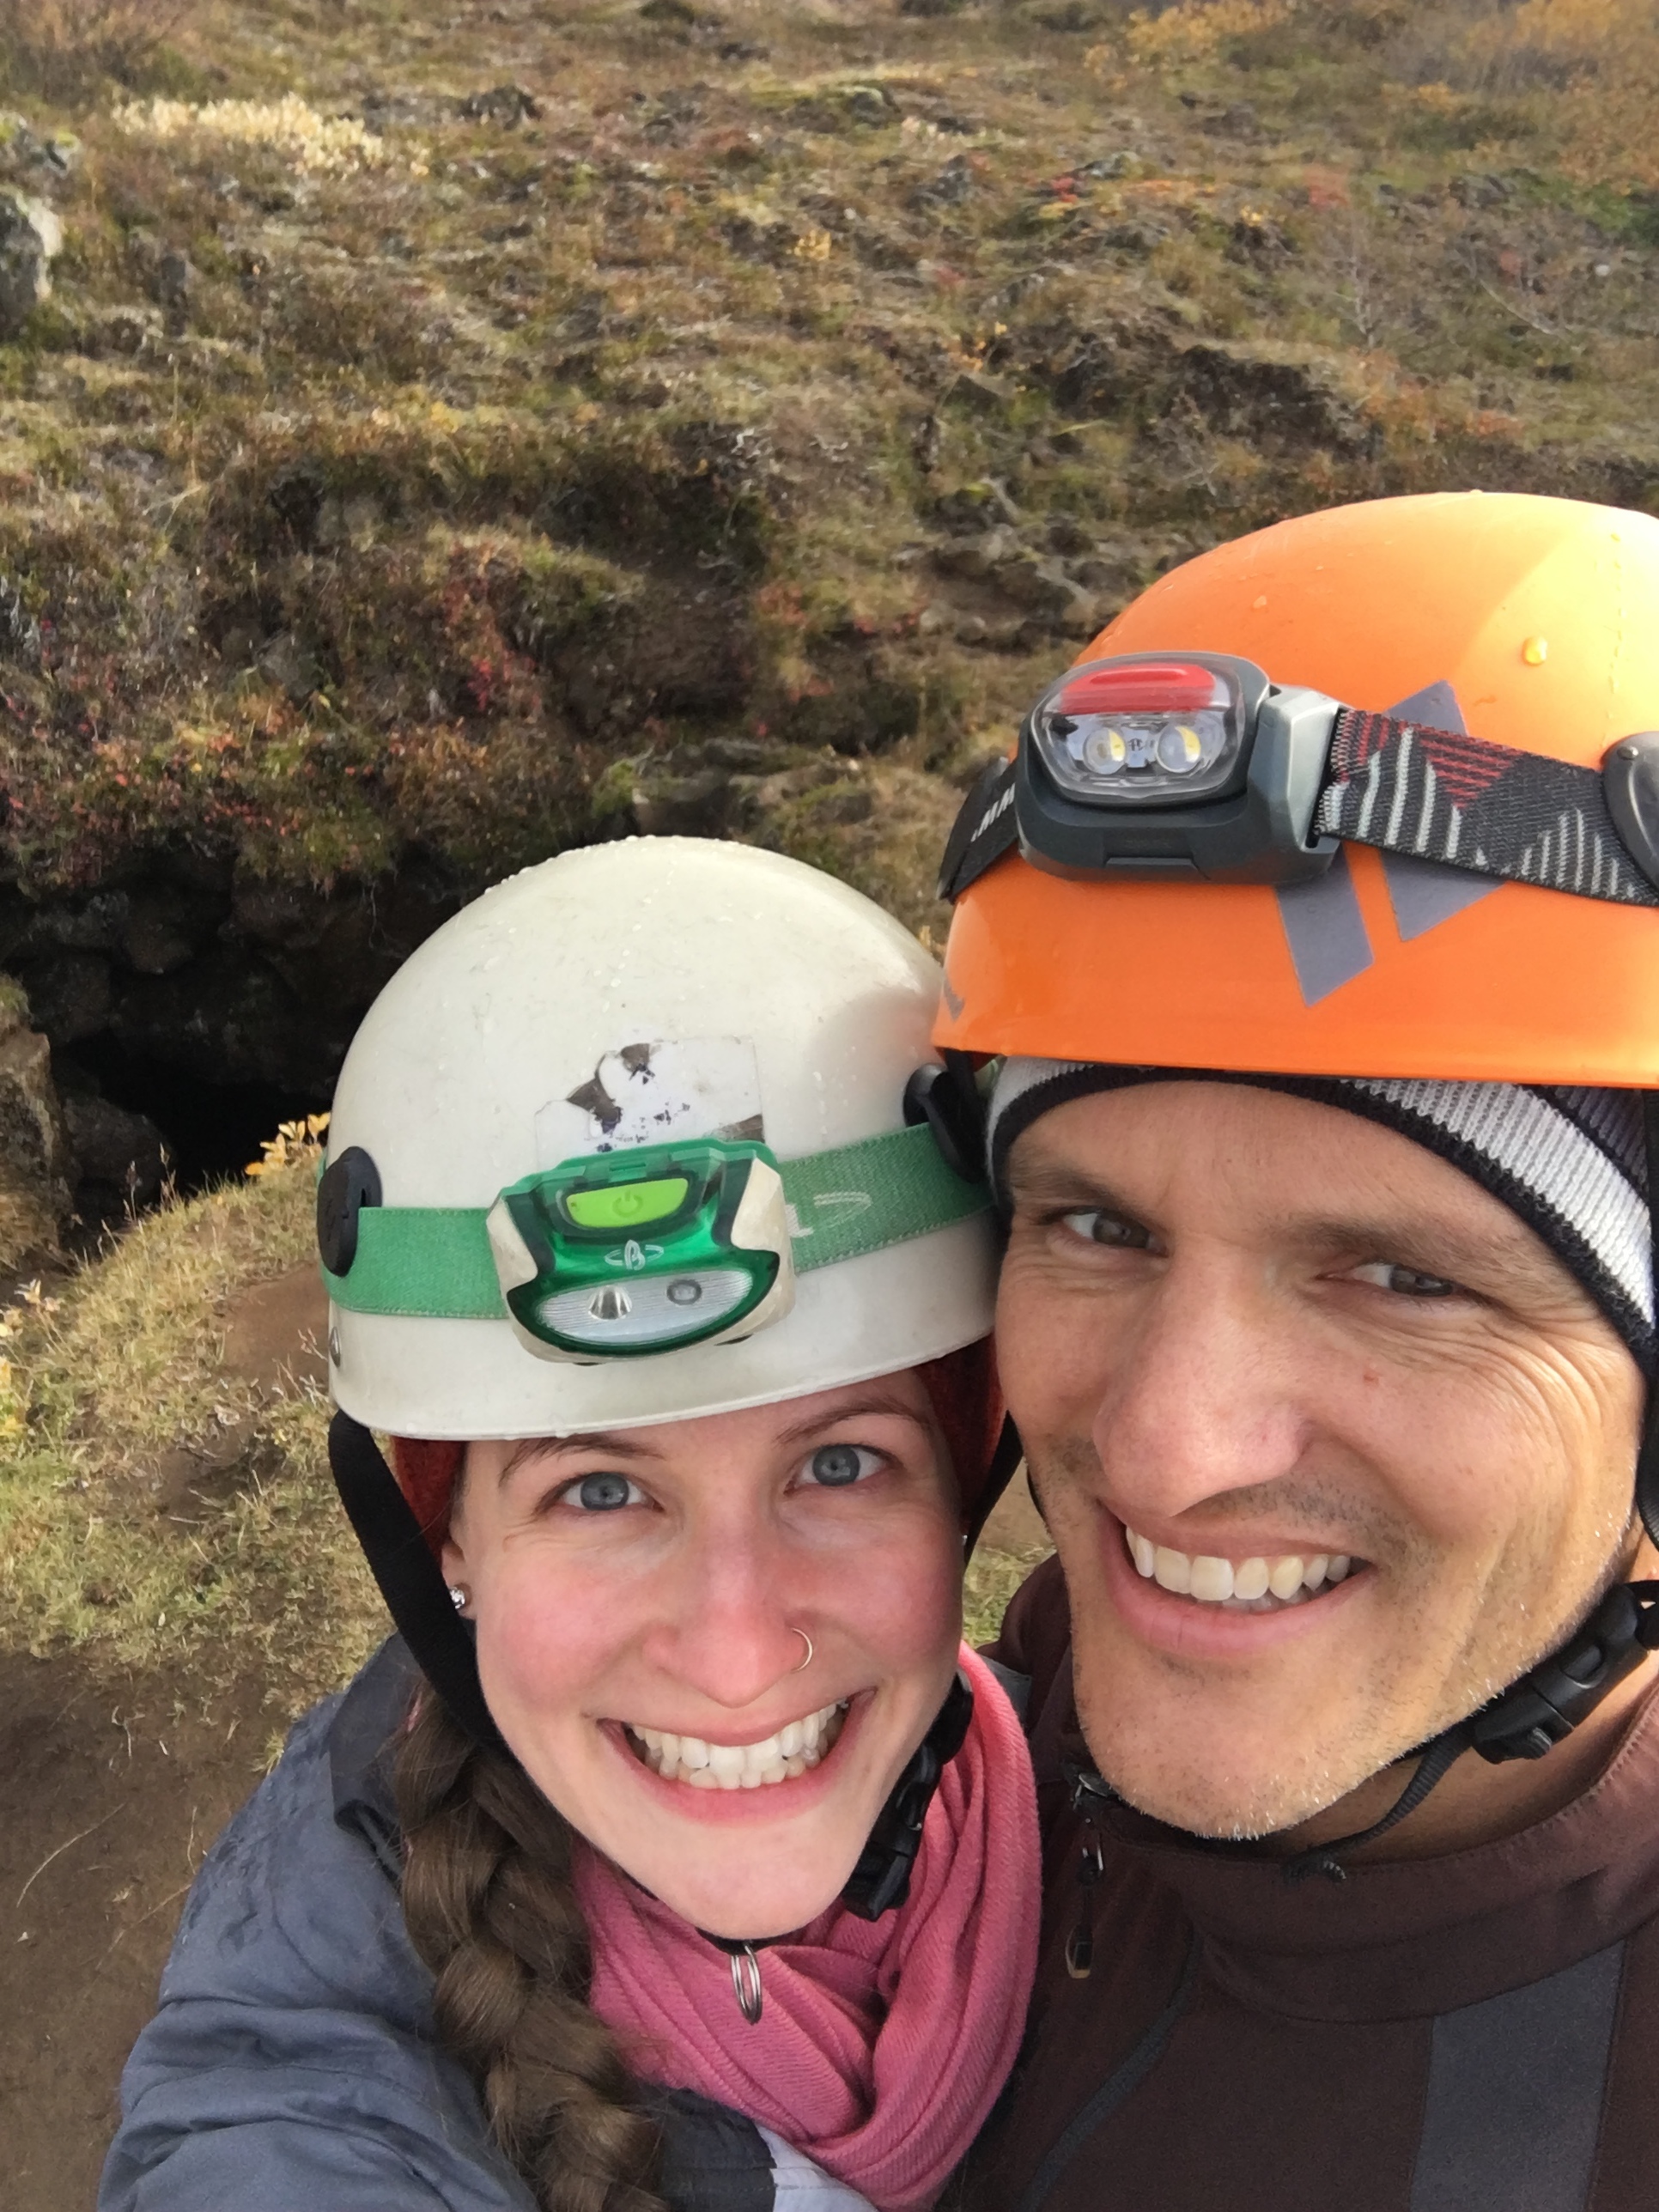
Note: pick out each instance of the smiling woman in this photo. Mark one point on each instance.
(677, 1839)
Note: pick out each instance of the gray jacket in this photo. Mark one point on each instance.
(293, 2066)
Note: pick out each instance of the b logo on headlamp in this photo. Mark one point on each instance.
(616, 1256)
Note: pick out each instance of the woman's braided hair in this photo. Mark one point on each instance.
(491, 1907)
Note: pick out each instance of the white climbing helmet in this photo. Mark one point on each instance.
(625, 1141)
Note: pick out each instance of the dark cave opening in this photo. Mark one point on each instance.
(211, 1131)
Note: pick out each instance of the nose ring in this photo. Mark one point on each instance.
(807, 1661)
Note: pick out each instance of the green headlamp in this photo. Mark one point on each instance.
(600, 1257)
(620, 1254)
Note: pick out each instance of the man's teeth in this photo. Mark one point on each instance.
(1257, 1585)
(797, 1746)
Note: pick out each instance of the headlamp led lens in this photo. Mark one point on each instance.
(1140, 732)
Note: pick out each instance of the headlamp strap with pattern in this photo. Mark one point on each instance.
(1438, 795)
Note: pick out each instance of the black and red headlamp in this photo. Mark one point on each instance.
(1197, 767)
(1186, 765)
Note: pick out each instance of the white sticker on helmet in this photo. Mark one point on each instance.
(653, 1094)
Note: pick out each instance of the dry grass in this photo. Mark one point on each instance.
(992, 1577)
(106, 1390)
(65, 50)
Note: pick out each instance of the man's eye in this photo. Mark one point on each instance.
(837, 1467)
(1111, 1229)
(1405, 1282)
(602, 1493)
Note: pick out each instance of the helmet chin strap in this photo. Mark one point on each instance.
(1552, 1698)
(443, 1646)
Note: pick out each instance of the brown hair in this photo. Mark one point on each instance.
(491, 1908)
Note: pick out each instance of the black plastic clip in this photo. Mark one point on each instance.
(1547, 1705)
(347, 1185)
(947, 1098)
(1630, 782)
(881, 1879)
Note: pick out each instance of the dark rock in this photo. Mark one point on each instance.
(20, 633)
(1254, 238)
(295, 498)
(288, 664)
(222, 1021)
(1103, 370)
(508, 105)
(686, 807)
(269, 912)
(1245, 391)
(927, 9)
(48, 161)
(839, 106)
(1043, 587)
(125, 1151)
(974, 394)
(31, 238)
(1115, 579)
(175, 279)
(978, 557)
(70, 994)
(34, 1160)
(953, 184)
(668, 11)
(1141, 236)
(1475, 191)
(157, 937)
(95, 925)
(977, 506)
(846, 805)
(1066, 535)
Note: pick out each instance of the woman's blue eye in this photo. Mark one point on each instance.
(835, 1467)
(602, 1493)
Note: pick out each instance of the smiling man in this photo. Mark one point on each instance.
(1330, 1027)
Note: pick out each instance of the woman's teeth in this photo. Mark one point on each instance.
(796, 1747)
(1258, 1585)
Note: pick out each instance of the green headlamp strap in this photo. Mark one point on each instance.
(435, 1263)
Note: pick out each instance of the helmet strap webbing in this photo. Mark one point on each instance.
(1553, 1697)
(441, 1644)
(410, 1578)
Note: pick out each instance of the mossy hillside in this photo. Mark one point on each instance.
(442, 442)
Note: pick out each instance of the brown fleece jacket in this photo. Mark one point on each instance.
(1478, 2032)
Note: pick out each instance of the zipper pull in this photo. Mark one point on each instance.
(1090, 1796)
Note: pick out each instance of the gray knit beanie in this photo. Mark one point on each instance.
(1571, 1163)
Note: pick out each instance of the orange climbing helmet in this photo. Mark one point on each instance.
(1310, 804)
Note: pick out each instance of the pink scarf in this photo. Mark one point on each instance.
(883, 2044)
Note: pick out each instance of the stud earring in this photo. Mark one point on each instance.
(459, 1598)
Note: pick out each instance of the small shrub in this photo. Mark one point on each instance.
(63, 50)
(1199, 30)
